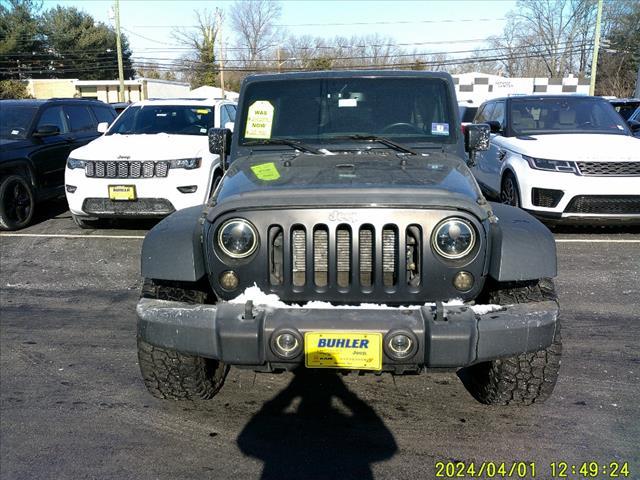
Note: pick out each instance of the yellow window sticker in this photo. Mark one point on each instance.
(202, 111)
(259, 120)
(266, 171)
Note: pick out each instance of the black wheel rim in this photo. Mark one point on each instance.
(17, 202)
(509, 194)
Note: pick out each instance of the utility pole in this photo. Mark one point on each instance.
(221, 53)
(596, 47)
(119, 48)
(638, 83)
(278, 60)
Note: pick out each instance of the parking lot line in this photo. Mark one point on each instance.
(140, 237)
(70, 235)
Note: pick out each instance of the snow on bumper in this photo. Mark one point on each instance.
(447, 336)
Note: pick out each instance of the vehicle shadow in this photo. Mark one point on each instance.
(55, 208)
(593, 229)
(316, 428)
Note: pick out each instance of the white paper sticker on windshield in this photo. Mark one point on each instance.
(348, 102)
(259, 120)
(15, 132)
(439, 129)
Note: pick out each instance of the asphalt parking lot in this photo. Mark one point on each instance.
(73, 404)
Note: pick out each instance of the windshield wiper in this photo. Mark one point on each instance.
(383, 140)
(285, 141)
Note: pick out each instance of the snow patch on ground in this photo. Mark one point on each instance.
(258, 297)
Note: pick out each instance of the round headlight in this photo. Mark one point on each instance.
(237, 238)
(454, 238)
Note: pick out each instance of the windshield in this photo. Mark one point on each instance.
(173, 119)
(409, 110)
(15, 121)
(564, 115)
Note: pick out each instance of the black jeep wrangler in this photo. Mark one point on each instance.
(349, 233)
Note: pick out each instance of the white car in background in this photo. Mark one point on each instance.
(153, 160)
(562, 158)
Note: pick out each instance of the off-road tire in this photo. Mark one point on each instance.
(526, 378)
(173, 375)
(16, 209)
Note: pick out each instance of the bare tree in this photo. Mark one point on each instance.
(200, 63)
(254, 23)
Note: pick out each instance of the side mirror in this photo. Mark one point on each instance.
(634, 125)
(494, 126)
(476, 138)
(229, 126)
(46, 131)
(220, 144)
(103, 127)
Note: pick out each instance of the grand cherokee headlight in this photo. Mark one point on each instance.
(186, 163)
(237, 238)
(551, 165)
(453, 238)
(75, 163)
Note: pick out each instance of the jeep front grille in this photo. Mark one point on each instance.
(126, 169)
(320, 256)
(621, 169)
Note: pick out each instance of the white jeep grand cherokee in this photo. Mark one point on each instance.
(563, 158)
(152, 161)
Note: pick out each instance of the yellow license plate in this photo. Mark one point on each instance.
(122, 192)
(339, 349)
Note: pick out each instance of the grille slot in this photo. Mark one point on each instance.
(299, 252)
(343, 255)
(321, 256)
(413, 251)
(366, 256)
(623, 169)
(389, 249)
(276, 256)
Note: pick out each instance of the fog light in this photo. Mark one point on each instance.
(71, 188)
(286, 344)
(463, 281)
(188, 189)
(401, 345)
(229, 280)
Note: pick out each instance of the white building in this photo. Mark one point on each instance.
(477, 87)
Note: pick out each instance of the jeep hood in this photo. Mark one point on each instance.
(160, 146)
(348, 180)
(577, 147)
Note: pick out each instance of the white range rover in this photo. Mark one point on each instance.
(563, 158)
(153, 160)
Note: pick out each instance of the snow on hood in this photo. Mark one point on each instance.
(258, 297)
(577, 147)
(159, 146)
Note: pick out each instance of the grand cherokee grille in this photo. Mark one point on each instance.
(608, 205)
(622, 169)
(126, 169)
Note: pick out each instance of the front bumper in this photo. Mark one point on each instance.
(453, 337)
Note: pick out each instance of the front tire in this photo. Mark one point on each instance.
(169, 374)
(17, 202)
(526, 378)
(509, 192)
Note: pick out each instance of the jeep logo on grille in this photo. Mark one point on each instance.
(340, 216)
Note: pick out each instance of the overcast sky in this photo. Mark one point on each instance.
(450, 25)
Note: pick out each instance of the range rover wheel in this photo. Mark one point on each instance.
(509, 190)
(16, 203)
(169, 374)
(526, 378)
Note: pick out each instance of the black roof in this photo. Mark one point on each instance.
(36, 102)
(345, 74)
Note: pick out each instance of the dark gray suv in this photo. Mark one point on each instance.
(349, 233)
